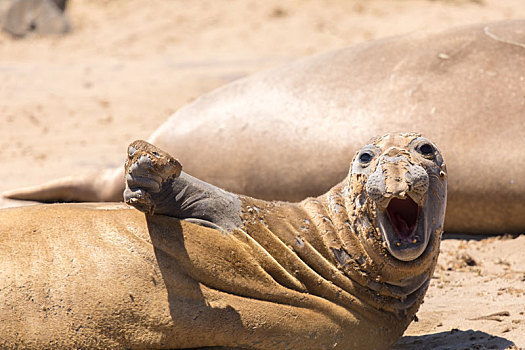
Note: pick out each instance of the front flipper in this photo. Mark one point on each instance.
(155, 184)
(148, 170)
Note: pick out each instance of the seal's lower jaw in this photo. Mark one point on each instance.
(403, 227)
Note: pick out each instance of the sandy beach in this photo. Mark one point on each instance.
(70, 105)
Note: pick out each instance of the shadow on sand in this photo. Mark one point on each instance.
(453, 340)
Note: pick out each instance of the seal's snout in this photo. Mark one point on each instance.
(399, 185)
(396, 177)
(399, 188)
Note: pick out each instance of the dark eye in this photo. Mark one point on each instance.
(365, 157)
(426, 149)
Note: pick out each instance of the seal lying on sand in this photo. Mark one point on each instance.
(268, 135)
(346, 270)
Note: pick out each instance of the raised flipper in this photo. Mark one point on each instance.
(105, 186)
(155, 184)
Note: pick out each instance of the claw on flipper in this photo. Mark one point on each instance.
(166, 166)
(147, 168)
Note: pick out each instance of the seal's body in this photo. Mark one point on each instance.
(345, 270)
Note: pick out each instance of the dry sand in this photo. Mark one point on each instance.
(71, 104)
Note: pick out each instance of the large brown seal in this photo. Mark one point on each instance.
(346, 270)
(269, 134)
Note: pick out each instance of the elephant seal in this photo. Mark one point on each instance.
(268, 135)
(345, 270)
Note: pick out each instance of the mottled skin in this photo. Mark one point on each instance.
(319, 274)
(268, 135)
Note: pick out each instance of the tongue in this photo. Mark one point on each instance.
(403, 215)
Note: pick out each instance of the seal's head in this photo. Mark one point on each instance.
(402, 182)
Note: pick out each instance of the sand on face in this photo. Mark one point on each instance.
(71, 105)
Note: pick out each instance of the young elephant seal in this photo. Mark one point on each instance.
(361, 254)
(346, 270)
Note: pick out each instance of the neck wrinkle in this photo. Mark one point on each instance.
(347, 253)
(386, 274)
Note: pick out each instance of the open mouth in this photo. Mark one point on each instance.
(403, 215)
(403, 225)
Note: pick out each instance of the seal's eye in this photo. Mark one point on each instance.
(426, 149)
(366, 157)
